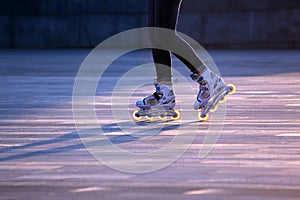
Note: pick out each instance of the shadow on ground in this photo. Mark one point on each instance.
(74, 136)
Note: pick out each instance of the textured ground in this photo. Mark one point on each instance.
(42, 157)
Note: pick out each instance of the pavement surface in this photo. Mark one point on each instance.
(257, 155)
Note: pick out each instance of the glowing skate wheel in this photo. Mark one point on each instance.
(162, 117)
(214, 109)
(203, 118)
(135, 117)
(223, 100)
(233, 88)
(177, 116)
(149, 118)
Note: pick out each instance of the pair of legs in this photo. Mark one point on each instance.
(164, 14)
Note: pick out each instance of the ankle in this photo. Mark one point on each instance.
(163, 82)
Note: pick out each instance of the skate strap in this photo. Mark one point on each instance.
(157, 97)
(196, 77)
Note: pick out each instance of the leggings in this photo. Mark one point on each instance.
(164, 14)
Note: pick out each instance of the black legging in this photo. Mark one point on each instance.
(164, 14)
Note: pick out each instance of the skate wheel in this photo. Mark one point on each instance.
(223, 100)
(162, 117)
(136, 116)
(233, 89)
(203, 118)
(149, 118)
(176, 116)
(215, 108)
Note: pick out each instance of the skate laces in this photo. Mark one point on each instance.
(203, 93)
(150, 100)
(163, 95)
(153, 99)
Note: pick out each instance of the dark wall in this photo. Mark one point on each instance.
(243, 23)
(85, 23)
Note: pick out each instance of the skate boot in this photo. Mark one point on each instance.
(160, 104)
(212, 91)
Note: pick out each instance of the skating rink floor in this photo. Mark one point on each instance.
(42, 155)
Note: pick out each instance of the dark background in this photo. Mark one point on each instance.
(246, 24)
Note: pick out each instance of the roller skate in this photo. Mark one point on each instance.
(212, 91)
(160, 104)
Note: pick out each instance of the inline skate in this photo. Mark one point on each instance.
(212, 91)
(160, 104)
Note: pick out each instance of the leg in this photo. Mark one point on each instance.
(163, 14)
(163, 97)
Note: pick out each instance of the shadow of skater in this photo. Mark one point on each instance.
(108, 128)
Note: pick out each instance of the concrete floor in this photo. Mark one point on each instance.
(42, 157)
